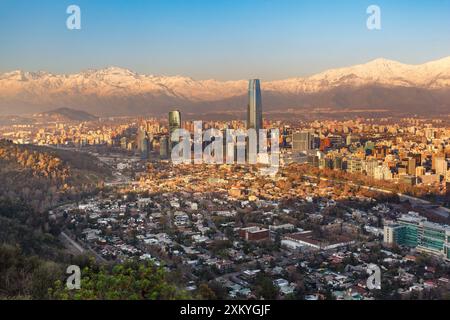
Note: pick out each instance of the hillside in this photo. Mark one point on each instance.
(44, 177)
(33, 265)
(33, 261)
(66, 114)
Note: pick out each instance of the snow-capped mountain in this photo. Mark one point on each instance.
(117, 91)
(432, 75)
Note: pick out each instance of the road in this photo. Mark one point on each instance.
(76, 248)
(67, 240)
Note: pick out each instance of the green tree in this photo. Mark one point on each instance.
(205, 292)
(265, 288)
(128, 281)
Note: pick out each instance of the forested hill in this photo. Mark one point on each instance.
(43, 177)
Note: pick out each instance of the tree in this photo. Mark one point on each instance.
(128, 281)
(205, 292)
(220, 291)
(265, 288)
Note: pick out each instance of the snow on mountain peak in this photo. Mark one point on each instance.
(115, 81)
(384, 62)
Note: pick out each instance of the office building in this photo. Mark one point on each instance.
(414, 231)
(354, 165)
(440, 165)
(254, 234)
(254, 109)
(351, 139)
(174, 124)
(142, 143)
(164, 147)
(302, 141)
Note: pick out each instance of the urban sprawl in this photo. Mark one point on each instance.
(348, 194)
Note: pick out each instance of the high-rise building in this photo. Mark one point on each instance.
(440, 165)
(369, 166)
(174, 120)
(337, 163)
(302, 141)
(145, 149)
(420, 171)
(352, 139)
(164, 147)
(412, 166)
(336, 141)
(254, 118)
(254, 109)
(142, 142)
(369, 147)
(140, 136)
(354, 165)
(382, 172)
(174, 124)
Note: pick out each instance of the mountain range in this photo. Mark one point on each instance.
(381, 84)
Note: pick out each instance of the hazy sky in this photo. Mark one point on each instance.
(222, 39)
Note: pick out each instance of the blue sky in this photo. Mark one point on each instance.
(221, 39)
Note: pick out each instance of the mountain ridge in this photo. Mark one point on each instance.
(119, 91)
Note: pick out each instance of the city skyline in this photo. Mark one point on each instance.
(348, 197)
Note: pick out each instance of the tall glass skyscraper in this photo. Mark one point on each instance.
(254, 109)
(174, 123)
(174, 120)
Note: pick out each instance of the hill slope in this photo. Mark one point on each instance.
(44, 177)
(66, 114)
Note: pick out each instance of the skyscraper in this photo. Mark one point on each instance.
(174, 124)
(174, 120)
(142, 142)
(439, 164)
(163, 147)
(254, 109)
